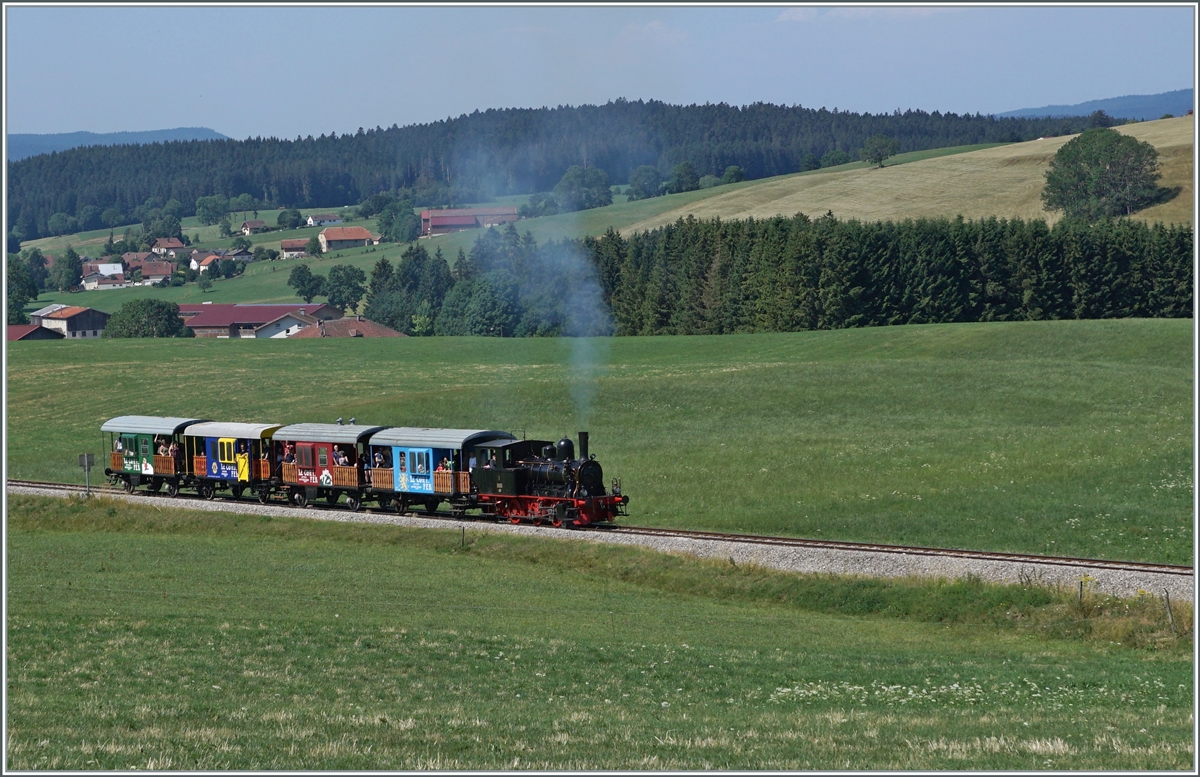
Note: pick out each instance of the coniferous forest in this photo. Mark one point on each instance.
(474, 157)
(789, 274)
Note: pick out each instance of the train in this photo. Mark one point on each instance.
(481, 473)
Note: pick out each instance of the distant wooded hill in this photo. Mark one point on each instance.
(1143, 107)
(21, 146)
(476, 156)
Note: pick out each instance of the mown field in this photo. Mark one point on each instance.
(148, 638)
(1070, 438)
(1004, 181)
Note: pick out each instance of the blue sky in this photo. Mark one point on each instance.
(288, 71)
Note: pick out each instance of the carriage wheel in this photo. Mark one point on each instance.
(207, 490)
(172, 489)
(127, 485)
(300, 499)
(264, 496)
(354, 502)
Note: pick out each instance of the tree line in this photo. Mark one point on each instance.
(785, 274)
(474, 157)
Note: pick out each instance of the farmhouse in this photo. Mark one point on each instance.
(102, 268)
(161, 245)
(333, 238)
(94, 280)
(286, 325)
(290, 249)
(350, 326)
(234, 321)
(441, 222)
(72, 321)
(253, 226)
(153, 272)
(30, 332)
(322, 219)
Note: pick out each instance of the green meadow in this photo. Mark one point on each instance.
(1066, 438)
(143, 637)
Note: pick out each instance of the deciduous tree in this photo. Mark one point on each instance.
(147, 318)
(1101, 173)
(877, 148)
(345, 287)
(306, 284)
(582, 188)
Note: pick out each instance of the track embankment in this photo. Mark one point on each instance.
(1115, 578)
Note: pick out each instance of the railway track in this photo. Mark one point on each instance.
(1178, 572)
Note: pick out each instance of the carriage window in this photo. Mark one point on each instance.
(421, 462)
(145, 447)
(322, 457)
(225, 451)
(403, 463)
(304, 456)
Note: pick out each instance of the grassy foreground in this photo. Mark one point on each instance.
(1069, 437)
(168, 639)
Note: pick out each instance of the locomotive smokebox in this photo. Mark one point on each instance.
(566, 449)
(583, 445)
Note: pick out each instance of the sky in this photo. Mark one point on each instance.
(288, 71)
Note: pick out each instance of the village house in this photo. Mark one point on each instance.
(334, 238)
(97, 281)
(235, 321)
(286, 325)
(15, 332)
(291, 249)
(161, 245)
(109, 269)
(154, 272)
(253, 226)
(441, 222)
(71, 321)
(323, 219)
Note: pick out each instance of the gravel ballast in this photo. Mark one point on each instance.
(1123, 583)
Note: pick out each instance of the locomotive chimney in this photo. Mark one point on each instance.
(583, 445)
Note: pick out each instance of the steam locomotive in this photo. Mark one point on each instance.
(488, 471)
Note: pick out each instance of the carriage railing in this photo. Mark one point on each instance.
(346, 477)
(200, 465)
(381, 477)
(117, 460)
(164, 465)
(291, 472)
(451, 482)
(262, 469)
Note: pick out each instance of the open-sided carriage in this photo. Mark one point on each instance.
(231, 456)
(323, 461)
(425, 466)
(148, 450)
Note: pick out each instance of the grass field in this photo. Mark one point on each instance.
(1004, 181)
(1071, 438)
(148, 638)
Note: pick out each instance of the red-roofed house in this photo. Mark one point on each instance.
(153, 272)
(333, 238)
(30, 332)
(290, 249)
(253, 225)
(75, 321)
(351, 326)
(223, 321)
(160, 245)
(441, 222)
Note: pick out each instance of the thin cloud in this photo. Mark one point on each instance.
(856, 14)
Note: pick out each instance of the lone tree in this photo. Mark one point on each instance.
(147, 318)
(345, 286)
(878, 148)
(305, 283)
(1100, 174)
(582, 188)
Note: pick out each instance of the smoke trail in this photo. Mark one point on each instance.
(589, 325)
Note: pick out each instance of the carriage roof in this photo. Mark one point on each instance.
(148, 424)
(335, 433)
(235, 430)
(424, 437)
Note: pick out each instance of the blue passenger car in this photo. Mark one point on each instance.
(424, 466)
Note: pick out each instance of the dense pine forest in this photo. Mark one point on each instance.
(788, 274)
(474, 157)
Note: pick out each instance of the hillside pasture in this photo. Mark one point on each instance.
(1004, 181)
(1065, 438)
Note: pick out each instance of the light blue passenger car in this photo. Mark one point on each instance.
(425, 465)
